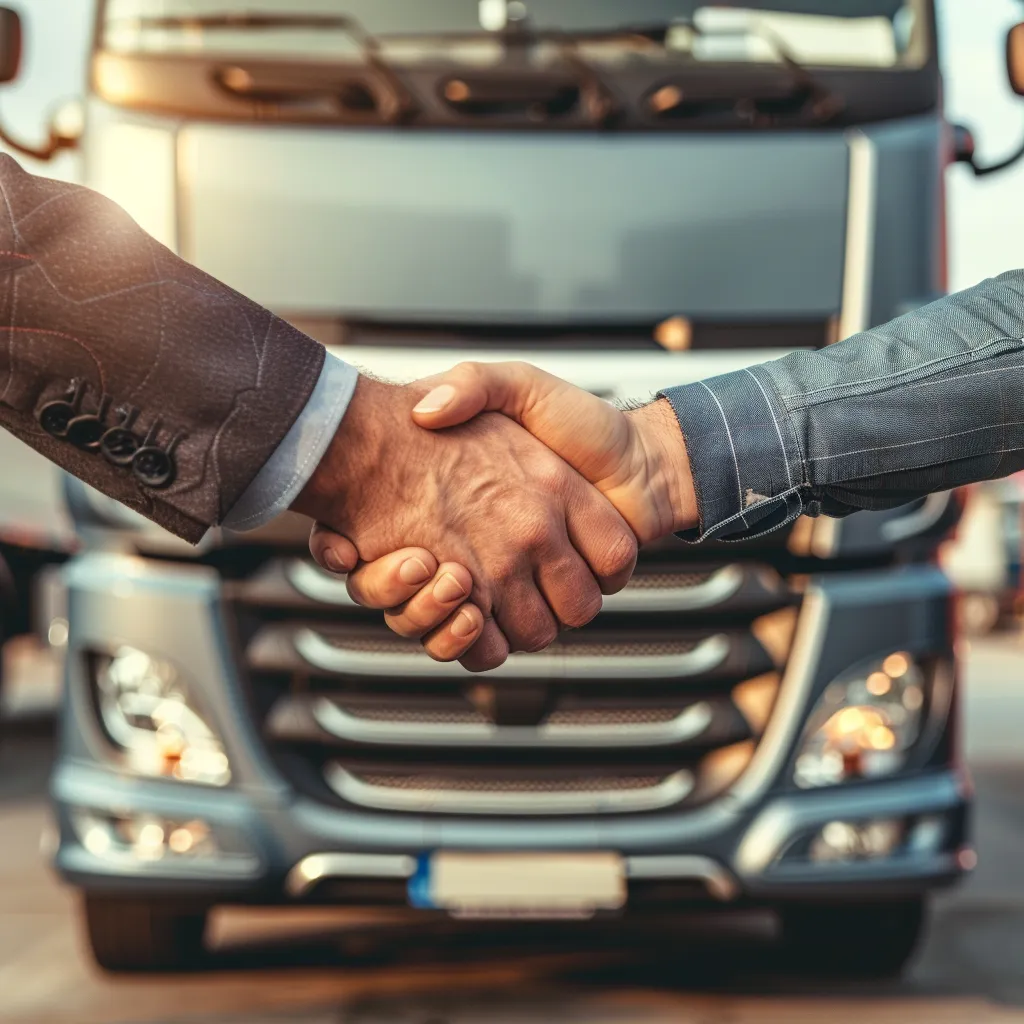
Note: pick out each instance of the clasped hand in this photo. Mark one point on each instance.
(489, 507)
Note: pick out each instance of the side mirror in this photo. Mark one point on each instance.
(963, 141)
(67, 121)
(1015, 58)
(10, 44)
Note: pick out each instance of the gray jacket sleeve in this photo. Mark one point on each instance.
(927, 402)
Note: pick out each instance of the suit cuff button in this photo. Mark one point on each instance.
(154, 466)
(55, 417)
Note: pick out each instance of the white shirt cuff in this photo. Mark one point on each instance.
(286, 472)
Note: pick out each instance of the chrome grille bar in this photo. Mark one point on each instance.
(717, 589)
(319, 652)
(298, 719)
(430, 799)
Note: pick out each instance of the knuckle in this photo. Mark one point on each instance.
(536, 636)
(583, 609)
(537, 531)
(504, 568)
(404, 625)
(439, 651)
(619, 554)
(572, 591)
(550, 475)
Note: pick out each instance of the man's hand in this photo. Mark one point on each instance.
(637, 459)
(485, 495)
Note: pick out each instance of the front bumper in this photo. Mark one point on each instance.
(290, 851)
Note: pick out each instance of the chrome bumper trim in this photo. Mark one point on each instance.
(312, 869)
(720, 883)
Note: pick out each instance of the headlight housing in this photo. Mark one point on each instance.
(148, 713)
(864, 724)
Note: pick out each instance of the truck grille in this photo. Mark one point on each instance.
(647, 708)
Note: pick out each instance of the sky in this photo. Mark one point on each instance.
(986, 216)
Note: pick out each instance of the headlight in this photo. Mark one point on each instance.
(864, 724)
(147, 712)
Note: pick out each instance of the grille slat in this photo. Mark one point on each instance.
(697, 726)
(330, 652)
(498, 794)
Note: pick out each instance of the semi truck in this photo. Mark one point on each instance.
(630, 195)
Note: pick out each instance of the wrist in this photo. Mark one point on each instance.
(354, 455)
(667, 464)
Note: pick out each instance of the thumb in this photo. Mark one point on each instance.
(331, 550)
(519, 390)
(471, 388)
(586, 431)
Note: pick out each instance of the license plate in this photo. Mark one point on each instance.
(514, 885)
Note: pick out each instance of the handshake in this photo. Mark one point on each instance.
(487, 508)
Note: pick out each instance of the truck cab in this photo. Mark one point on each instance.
(631, 196)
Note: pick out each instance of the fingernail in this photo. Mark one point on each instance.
(464, 624)
(437, 399)
(333, 562)
(413, 571)
(448, 589)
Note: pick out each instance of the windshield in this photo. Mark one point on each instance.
(824, 33)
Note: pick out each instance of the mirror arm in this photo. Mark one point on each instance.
(981, 172)
(46, 152)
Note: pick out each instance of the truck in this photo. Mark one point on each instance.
(630, 195)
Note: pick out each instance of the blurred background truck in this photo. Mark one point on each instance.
(630, 195)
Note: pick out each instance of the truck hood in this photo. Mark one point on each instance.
(515, 227)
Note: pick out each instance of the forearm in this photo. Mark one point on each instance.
(930, 401)
(115, 329)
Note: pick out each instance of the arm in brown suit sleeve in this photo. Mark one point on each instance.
(130, 368)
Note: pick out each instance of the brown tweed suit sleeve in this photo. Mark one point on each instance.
(92, 307)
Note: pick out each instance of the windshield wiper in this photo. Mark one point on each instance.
(825, 103)
(401, 102)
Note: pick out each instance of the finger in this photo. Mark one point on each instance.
(601, 536)
(591, 435)
(392, 579)
(332, 551)
(490, 651)
(433, 603)
(524, 616)
(569, 587)
(453, 638)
